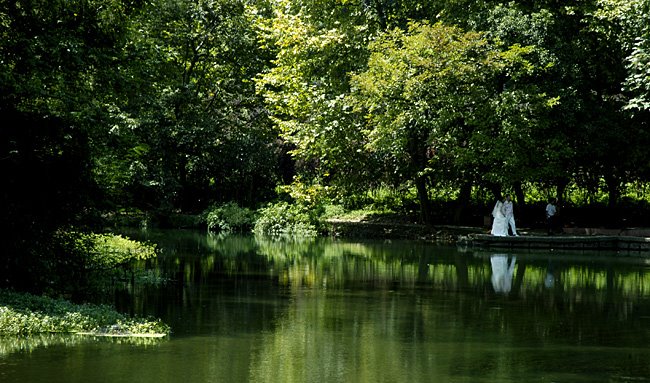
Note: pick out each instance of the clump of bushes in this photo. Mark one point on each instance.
(111, 250)
(25, 314)
(283, 218)
(230, 217)
(82, 264)
(332, 211)
(299, 218)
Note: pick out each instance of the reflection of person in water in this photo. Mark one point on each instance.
(502, 272)
(549, 280)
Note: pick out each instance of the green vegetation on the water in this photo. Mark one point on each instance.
(92, 263)
(26, 314)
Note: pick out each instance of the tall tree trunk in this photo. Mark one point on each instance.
(612, 189)
(519, 193)
(521, 201)
(423, 197)
(417, 150)
(496, 191)
(462, 202)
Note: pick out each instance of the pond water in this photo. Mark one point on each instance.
(253, 310)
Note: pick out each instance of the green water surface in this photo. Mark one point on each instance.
(257, 310)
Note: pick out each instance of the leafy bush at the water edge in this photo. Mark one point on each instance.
(284, 219)
(230, 217)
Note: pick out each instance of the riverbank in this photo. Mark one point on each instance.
(626, 244)
(394, 226)
(386, 229)
(26, 314)
(449, 234)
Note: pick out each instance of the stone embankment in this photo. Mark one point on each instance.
(581, 239)
(397, 230)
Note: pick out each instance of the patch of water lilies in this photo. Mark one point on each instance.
(26, 314)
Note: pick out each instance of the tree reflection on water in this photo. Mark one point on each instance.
(296, 310)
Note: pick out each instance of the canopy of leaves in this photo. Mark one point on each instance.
(448, 104)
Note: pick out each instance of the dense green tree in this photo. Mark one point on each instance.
(591, 70)
(57, 59)
(628, 23)
(193, 130)
(544, 148)
(149, 104)
(588, 139)
(438, 104)
(622, 28)
(172, 105)
(317, 44)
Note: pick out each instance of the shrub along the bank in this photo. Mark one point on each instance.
(229, 217)
(83, 264)
(24, 314)
(283, 218)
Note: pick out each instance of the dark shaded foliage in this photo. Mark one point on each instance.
(46, 185)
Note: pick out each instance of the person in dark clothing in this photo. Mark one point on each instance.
(551, 216)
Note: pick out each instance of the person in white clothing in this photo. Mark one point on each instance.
(499, 224)
(508, 211)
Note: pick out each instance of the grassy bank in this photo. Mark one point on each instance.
(26, 314)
